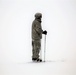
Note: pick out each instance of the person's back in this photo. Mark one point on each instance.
(36, 29)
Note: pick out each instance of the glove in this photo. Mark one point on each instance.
(45, 32)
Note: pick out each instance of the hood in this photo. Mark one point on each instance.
(38, 15)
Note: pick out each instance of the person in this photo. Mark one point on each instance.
(36, 37)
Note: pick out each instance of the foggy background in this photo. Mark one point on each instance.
(58, 18)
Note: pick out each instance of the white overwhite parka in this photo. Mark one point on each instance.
(37, 28)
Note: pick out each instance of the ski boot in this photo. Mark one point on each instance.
(34, 59)
(39, 60)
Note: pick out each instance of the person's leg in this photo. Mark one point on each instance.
(36, 49)
(33, 51)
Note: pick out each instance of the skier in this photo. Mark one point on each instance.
(36, 37)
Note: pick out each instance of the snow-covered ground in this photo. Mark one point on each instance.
(58, 18)
(44, 68)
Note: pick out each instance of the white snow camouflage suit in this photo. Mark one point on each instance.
(36, 35)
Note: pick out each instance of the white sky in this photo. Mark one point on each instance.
(59, 19)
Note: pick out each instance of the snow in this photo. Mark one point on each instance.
(58, 18)
(44, 68)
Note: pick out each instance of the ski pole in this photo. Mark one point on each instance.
(44, 47)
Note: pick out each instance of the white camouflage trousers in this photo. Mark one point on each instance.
(36, 46)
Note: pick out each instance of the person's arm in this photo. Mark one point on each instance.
(45, 32)
(38, 28)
